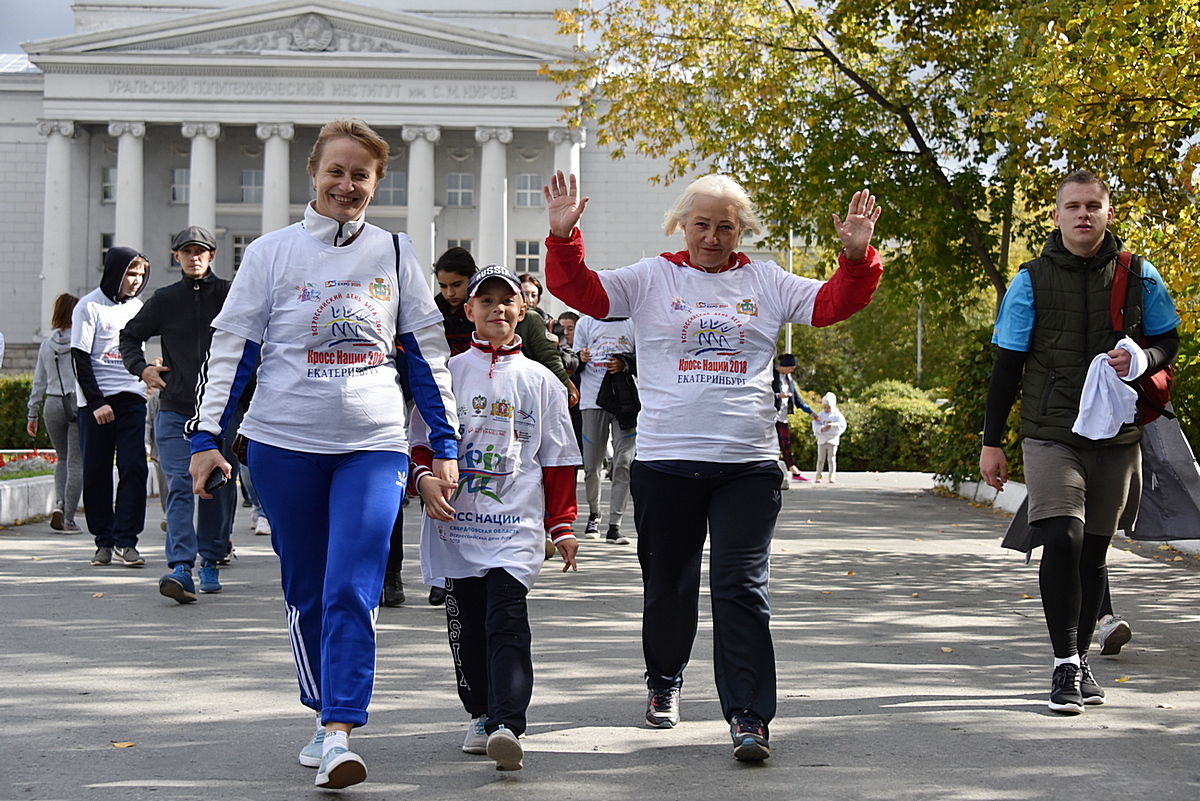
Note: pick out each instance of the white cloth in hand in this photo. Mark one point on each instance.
(1107, 401)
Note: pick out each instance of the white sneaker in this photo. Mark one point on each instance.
(340, 767)
(504, 747)
(1114, 632)
(253, 519)
(310, 755)
(477, 737)
(263, 526)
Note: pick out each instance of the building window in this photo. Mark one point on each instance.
(392, 190)
(108, 183)
(529, 256)
(529, 191)
(106, 243)
(460, 189)
(240, 242)
(180, 185)
(465, 244)
(252, 186)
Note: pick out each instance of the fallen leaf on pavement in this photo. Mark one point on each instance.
(849, 572)
(122, 745)
(98, 595)
(916, 595)
(1026, 596)
(946, 650)
(1121, 680)
(1166, 706)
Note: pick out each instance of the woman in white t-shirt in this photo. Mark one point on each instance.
(706, 320)
(324, 303)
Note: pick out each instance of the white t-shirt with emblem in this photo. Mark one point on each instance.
(511, 425)
(706, 343)
(96, 327)
(603, 339)
(327, 318)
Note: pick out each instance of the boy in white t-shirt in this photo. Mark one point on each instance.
(484, 536)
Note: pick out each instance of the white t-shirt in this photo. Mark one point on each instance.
(706, 342)
(511, 426)
(603, 339)
(327, 318)
(96, 327)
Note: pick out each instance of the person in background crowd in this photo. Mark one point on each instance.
(787, 400)
(54, 382)
(707, 319)
(531, 288)
(112, 409)
(181, 316)
(326, 431)
(828, 425)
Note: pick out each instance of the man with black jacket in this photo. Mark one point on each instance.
(182, 314)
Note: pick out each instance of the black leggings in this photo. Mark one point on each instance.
(1073, 577)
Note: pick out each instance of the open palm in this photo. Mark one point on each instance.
(563, 204)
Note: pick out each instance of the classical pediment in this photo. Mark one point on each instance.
(296, 27)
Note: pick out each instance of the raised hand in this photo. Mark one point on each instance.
(563, 204)
(859, 226)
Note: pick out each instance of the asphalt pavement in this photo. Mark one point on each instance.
(912, 656)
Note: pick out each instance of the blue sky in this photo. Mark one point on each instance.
(23, 21)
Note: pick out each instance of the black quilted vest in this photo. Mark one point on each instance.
(1071, 301)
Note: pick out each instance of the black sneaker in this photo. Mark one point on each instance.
(592, 530)
(613, 536)
(103, 556)
(437, 596)
(1064, 690)
(751, 741)
(1091, 692)
(129, 556)
(662, 708)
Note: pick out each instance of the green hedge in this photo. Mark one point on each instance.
(14, 400)
(883, 433)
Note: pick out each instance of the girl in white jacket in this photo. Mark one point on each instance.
(827, 428)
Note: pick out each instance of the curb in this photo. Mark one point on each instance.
(23, 498)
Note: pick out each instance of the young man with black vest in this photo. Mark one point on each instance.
(1082, 459)
(182, 314)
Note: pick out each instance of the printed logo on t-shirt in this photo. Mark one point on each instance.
(343, 284)
(380, 290)
(678, 304)
(479, 403)
(111, 357)
(482, 471)
(502, 408)
(712, 341)
(349, 336)
(748, 307)
(308, 293)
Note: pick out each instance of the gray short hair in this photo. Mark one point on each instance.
(714, 185)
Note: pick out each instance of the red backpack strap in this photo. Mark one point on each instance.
(1116, 301)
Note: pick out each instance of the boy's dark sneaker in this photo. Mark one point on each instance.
(592, 530)
(662, 708)
(751, 741)
(129, 556)
(613, 536)
(1064, 690)
(103, 556)
(1091, 692)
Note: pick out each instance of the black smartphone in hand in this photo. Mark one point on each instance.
(216, 480)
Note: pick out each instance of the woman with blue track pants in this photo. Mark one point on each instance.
(324, 303)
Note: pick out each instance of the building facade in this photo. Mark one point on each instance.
(153, 117)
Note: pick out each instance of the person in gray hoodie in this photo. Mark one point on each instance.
(112, 409)
(54, 381)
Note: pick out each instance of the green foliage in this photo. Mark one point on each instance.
(888, 433)
(14, 400)
(957, 444)
(892, 388)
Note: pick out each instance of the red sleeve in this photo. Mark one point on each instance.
(570, 280)
(561, 506)
(849, 290)
(421, 465)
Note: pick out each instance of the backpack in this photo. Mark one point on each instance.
(1125, 310)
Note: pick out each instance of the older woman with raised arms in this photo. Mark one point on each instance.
(323, 303)
(706, 320)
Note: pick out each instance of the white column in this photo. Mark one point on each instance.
(56, 224)
(276, 187)
(202, 174)
(130, 183)
(567, 144)
(420, 195)
(492, 197)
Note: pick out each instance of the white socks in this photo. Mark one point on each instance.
(335, 739)
(1074, 660)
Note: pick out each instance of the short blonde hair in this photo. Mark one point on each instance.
(360, 132)
(715, 185)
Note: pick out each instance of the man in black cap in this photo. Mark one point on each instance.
(182, 314)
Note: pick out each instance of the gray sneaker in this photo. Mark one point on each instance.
(310, 754)
(477, 737)
(103, 556)
(129, 556)
(1114, 632)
